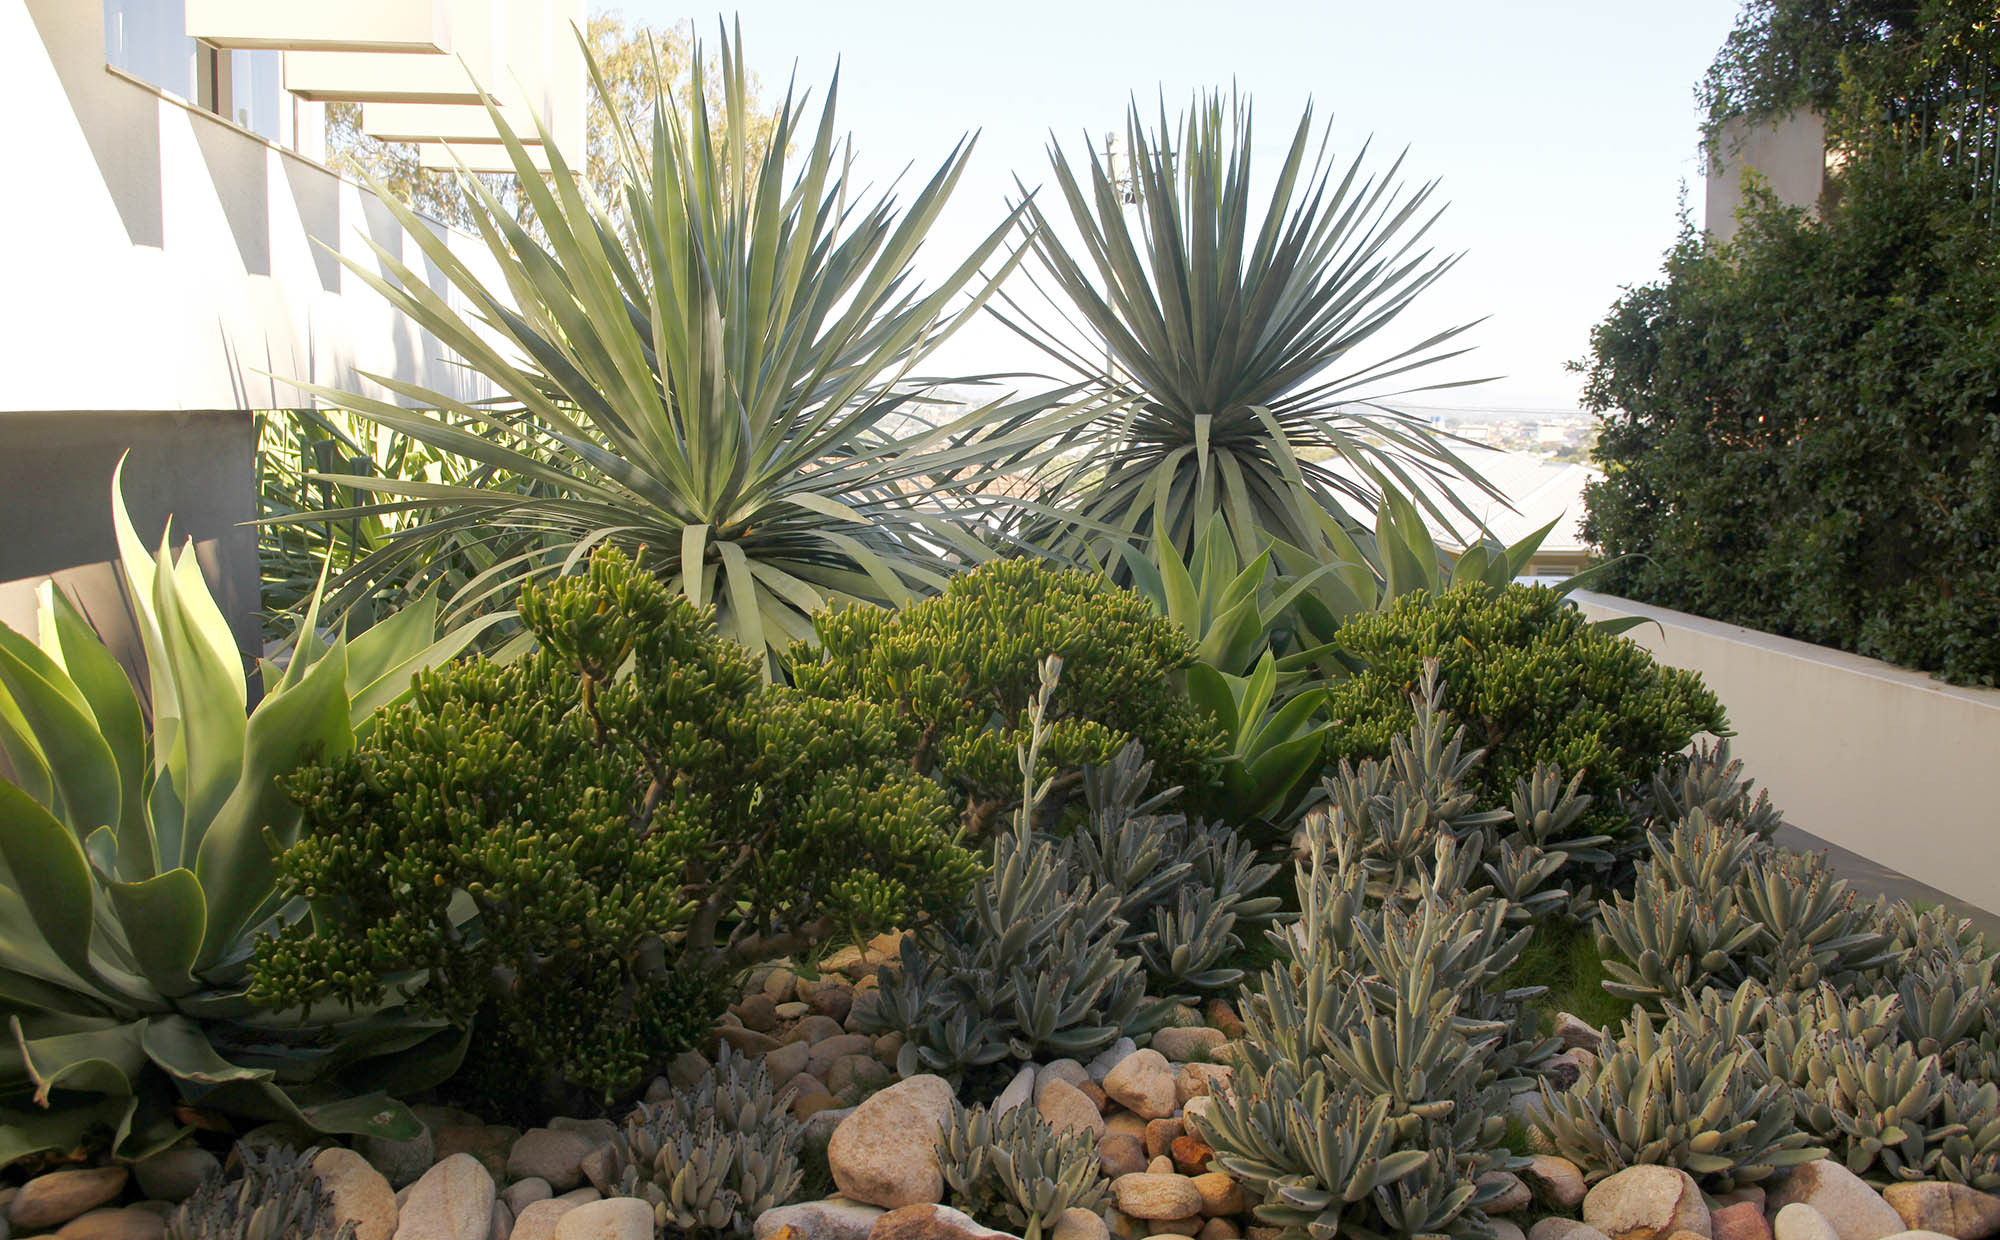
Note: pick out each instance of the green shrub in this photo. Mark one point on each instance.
(1797, 427)
(956, 670)
(1533, 681)
(573, 848)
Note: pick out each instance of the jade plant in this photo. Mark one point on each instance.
(137, 867)
(1534, 681)
(577, 848)
(954, 671)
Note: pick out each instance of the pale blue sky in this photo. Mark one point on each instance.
(1562, 130)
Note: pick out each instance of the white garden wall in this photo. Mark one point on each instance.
(1896, 766)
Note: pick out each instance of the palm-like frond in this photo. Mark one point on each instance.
(1237, 335)
(724, 376)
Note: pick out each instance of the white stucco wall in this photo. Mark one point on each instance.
(1889, 763)
(159, 258)
(1789, 155)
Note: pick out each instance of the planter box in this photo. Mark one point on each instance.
(1889, 763)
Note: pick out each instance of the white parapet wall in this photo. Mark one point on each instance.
(1889, 763)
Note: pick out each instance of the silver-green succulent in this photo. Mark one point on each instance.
(1688, 1091)
(712, 1157)
(276, 1198)
(1017, 1169)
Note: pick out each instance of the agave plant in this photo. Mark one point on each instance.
(137, 867)
(722, 372)
(1237, 329)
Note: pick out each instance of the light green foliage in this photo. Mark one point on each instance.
(1381, 1048)
(1691, 1093)
(575, 847)
(717, 367)
(1534, 681)
(277, 1198)
(956, 669)
(712, 1157)
(1060, 941)
(136, 865)
(1015, 1172)
(1237, 330)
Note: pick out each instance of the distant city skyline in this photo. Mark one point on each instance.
(1562, 131)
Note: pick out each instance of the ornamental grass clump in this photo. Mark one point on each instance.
(573, 850)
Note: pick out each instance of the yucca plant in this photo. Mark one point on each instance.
(722, 372)
(138, 864)
(1237, 328)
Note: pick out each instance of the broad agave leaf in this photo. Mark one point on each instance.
(136, 867)
(1236, 330)
(722, 373)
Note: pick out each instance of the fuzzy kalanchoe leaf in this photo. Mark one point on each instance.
(1683, 926)
(712, 1157)
(1016, 1169)
(574, 848)
(1060, 943)
(1684, 1094)
(1709, 780)
(277, 1198)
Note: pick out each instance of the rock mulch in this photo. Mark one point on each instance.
(463, 1179)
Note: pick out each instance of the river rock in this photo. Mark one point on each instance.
(1019, 1091)
(1560, 1180)
(360, 1193)
(451, 1201)
(1143, 1083)
(1066, 1109)
(538, 1220)
(1109, 1058)
(58, 1196)
(1955, 1210)
(1150, 1195)
(1854, 1210)
(614, 1218)
(1513, 1194)
(550, 1154)
(1799, 1221)
(1077, 1223)
(885, 1153)
(928, 1221)
(1188, 1042)
(1739, 1220)
(1220, 1194)
(833, 1219)
(173, 1175)
(1646, 1203)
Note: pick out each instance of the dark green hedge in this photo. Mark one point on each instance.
(1800, 429)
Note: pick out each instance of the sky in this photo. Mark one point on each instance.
(1563, 132)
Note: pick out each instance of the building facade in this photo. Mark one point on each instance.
(175, 241)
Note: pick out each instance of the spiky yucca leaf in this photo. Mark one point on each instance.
(723, 372)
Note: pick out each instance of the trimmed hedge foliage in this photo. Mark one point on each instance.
(1800, 429)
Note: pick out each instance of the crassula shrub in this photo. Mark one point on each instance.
(570, 852)
(1532, 681)
(955, 674)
